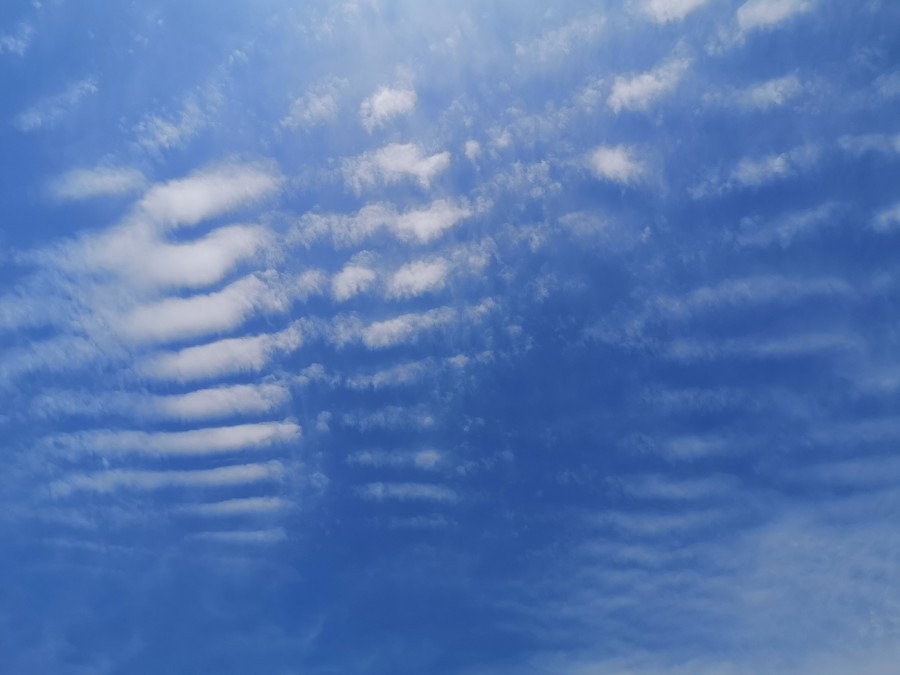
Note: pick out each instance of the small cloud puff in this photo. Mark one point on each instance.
(638, 92)
(772, 93)
(385, 104)
(393, 163)
(616, 164)
(351, 281)
(417, 278)
(316, 107)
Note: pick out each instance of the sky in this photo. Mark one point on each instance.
(463, 338)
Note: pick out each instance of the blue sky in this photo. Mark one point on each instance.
(458, 337)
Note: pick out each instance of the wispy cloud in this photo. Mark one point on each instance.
(50, 111)
(405, 328)
(783, 229)
(420, 459)
(248, 354)
(385, 104)
(205, 441)
(393, 163)
(268, 536)
(246, 506)
(414, 226)
(417, 278)
(429, 492)
(352, 280)
(663, 11)
(561, 41)
(639, 92)
(225, 401)
(17, 42)
(184, 318)
(115, 480)
(99, 181)
(888, 219)
(617, 164)
(756, 14)
(208, 193)
(318, 106)
(772, 93)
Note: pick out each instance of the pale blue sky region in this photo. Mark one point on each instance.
(458, 337)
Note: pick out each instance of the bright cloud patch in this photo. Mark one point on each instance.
(764, 13)
(207, 194)
(417, 278)
(393, 163)
(639, 92)
(385, 104)
(351, 281)
(615, 164)
(773, 93)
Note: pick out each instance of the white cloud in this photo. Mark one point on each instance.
(663, 488)
(561, 41)
(751, 290)
(208, 441)
(17, 43)
(221, 358)
(756, 171)
(140, 255)
(58, 354)
(316, 107)
(616, 164)
(416, 226)
(385, 104)
(406, 328)
(421, 459)
(784, 229)
(239, 507)
(663, 11)
(429, 492)
(393, 163)
(208, 193)
(417, 417)
(861, 144)
(638, 92)
(652, 525)
(100, 181)
(351, 281)
(417, 278)
(472, 150)
(887, 220)
(244, 537)
(427, 224)
(198, 315)
(240, 399)
(765, 13)
(111, 481)
(773, 93)
(405, 373)
(50, 111)
(761, 348)
(203, 404)
(157, 132)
